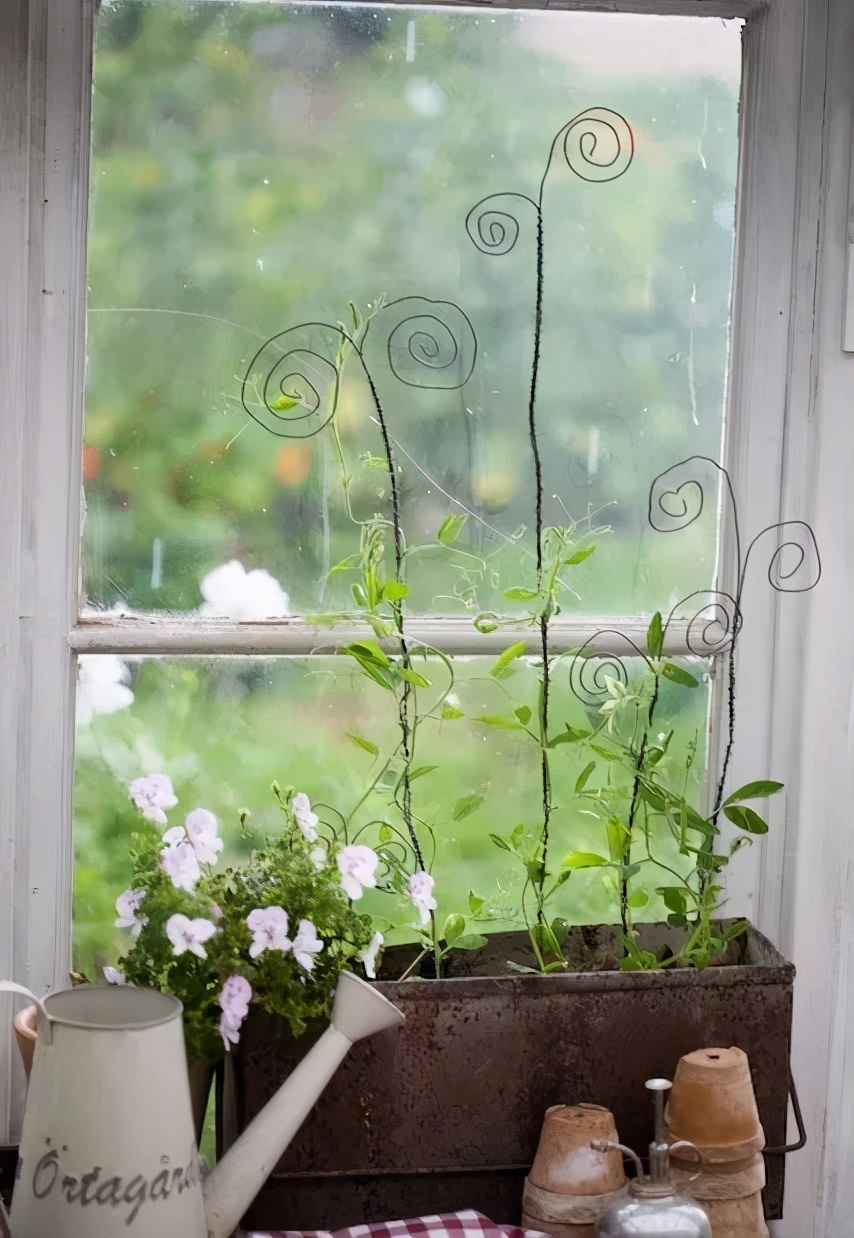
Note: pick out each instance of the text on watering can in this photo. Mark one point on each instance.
(93, 1188)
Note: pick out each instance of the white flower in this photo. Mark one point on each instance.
(318, 858)
(152, 796)
(421, 892)
(231, 592)
(186, 934)
(200, 831)
(127, 905)
(101, 686)
(234, 999)
(357, 865)
(180, 862)
(112, 975)
(369, 955)
(306, 944)
(305, 818)
(269, 927)
(619, 696)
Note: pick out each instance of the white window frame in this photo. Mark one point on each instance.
(787, 427)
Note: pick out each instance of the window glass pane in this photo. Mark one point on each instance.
(223, 729)
(257, 167)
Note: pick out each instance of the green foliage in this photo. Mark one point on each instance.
(280, 873)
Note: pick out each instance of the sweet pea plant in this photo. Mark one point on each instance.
(274, 932)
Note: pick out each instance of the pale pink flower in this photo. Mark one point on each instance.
(127, 905)
(234, 999)
(187, 934)
(229, 1029)
(112, 975)
(269, 928)
(318, 858)
(421, 892)
(368, 956)
(180, 862)
(233, 593)
(152, 796)
(200, 830)
(235, 996)
(357, 865)
(306, 945)
(305, 818)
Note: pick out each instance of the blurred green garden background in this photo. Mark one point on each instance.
(256, 167)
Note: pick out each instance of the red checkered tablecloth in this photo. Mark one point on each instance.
(468, 1224)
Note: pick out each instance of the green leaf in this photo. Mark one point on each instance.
(454, 928)
(346, 565)
(499, 842)
(509, 655)
(468, 804)
(470, 941)
(579, 556)
(503, 724)
(450, 529)
(675, 899)
(570, 736)
(523, 713)
(583, 859)
(638, 899)
(486, 622)
(413, 677)
(560, 927)
(450, 712)
(655, 636)
(476, 904)
(617, 835)
(361, 742)
(520, 594)
(675, 673)
(368, 650)
(421, 771)
(746, 819)
(581, 781)
(754, 791)
(607, 753)
(284, 404)
(395, 591)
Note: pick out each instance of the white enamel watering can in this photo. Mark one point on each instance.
(108, 1145)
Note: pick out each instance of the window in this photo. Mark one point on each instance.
(788, 394)
(255, 171)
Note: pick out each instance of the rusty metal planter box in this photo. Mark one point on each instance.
(445, 1113)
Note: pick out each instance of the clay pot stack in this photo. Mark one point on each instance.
(570, 1184)
(712, 1105)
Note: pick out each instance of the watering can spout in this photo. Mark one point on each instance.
(359, 1011)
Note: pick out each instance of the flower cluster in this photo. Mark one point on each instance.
(274, 931)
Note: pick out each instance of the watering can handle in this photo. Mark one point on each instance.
(9, 986)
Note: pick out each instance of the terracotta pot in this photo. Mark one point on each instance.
(732, 1198)
(26, 1024)
(713, 1106)
(570, 1185)
(565, 1163)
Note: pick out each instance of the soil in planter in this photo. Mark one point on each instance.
(588, 948)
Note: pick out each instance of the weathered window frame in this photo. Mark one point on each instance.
(45, 80)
